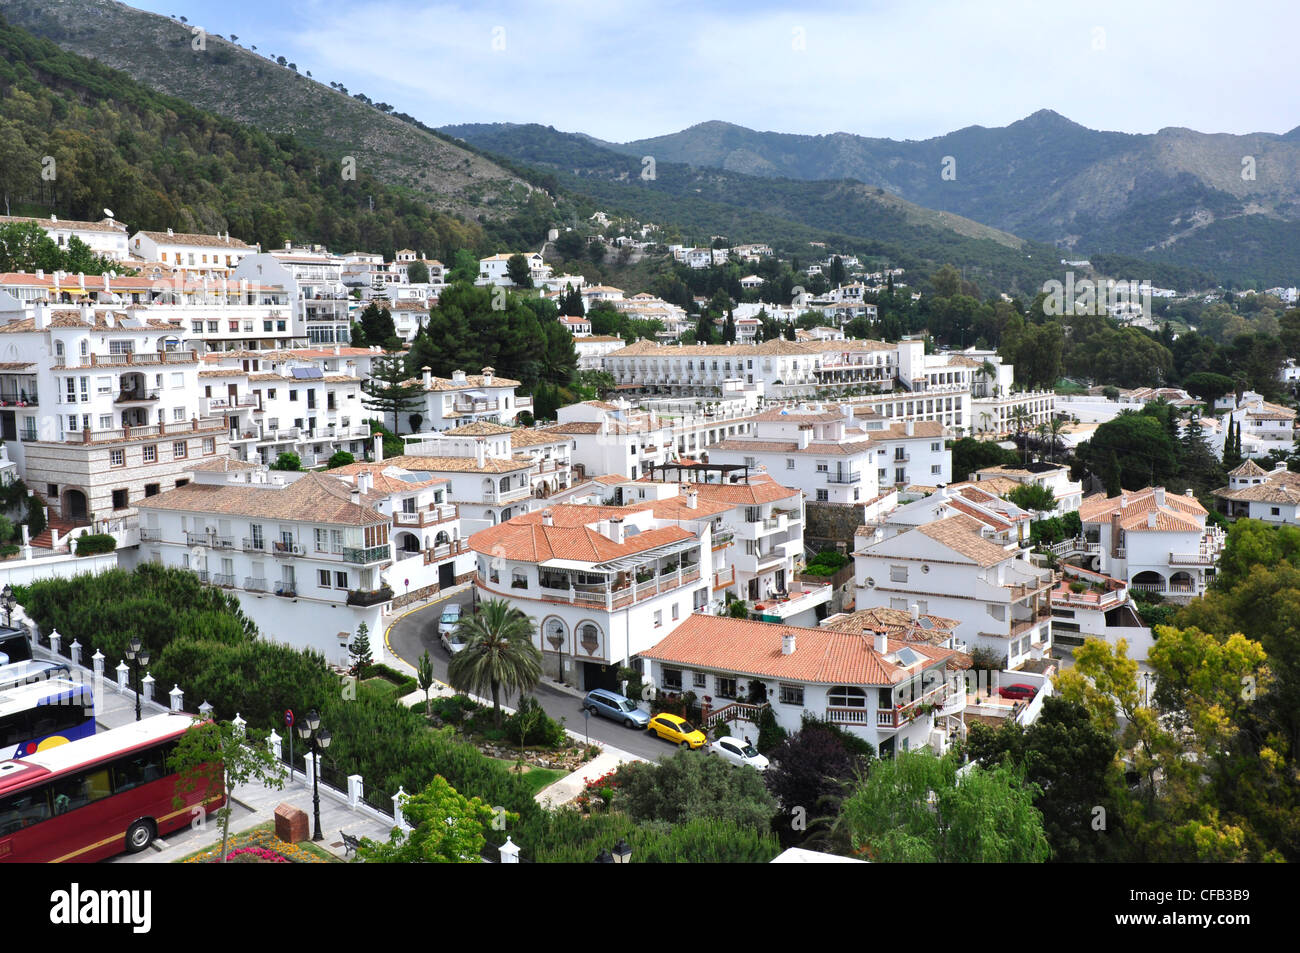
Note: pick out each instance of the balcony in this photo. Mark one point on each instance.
(201, 573)
(839, 477)
(445, 551)
(150, 534)
(369, 597)
(287, 589)
(20, 397)
(255, 583)
(223, 579)
(136, 396)
(508, 496)
(800, 598)
(210, 540)
(1203, 558)
(253, 545)
(366, 555)
(286, 548)
(429, 516)
(723, 579)
(906, 713)
(723, 539)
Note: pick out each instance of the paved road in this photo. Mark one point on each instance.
(417, 631)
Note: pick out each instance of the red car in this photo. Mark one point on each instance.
(1018, 691)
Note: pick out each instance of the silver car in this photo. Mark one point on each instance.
(738, 751)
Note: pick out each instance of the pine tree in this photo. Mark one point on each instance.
(391, 392)
(360, 650)
(729, 329)
(1232, 446)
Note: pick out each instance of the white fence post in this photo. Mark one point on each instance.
(398, 819)
(97, 660)
(122, 671)
(273, 740)
(356, 790)
(148, 687)
(75, 649)
(240, 725)
(56, 641)
(509, 852)
(309, 768)
(177, 698)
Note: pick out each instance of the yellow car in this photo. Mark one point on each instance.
(677, 730)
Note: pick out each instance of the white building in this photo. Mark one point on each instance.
(592, 349)
(465, 398)
(1255, 493)
(106, 238)
(301, 552)
(897, 695)
(215, 255)
(493, 270)
(602, 583)
(953, 568)
(1053, 476)
(613, 438)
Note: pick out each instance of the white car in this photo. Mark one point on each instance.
(738, 751)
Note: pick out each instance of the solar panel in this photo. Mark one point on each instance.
(307, 373)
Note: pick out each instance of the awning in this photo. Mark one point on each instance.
(476, 394)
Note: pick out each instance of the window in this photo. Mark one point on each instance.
(823, 496)
(659, 618)
(105, 421)
(846, 696)
(103, 385)
(673, 679)
(117, 458)
(935, 468)
(789, 463)
(791, 694)
(120, 499)
(150, 453)
(676, 614)
(270, 393)
(1276, 511)
(701, 598)
(898, 574)
(821, 466)
(293, 394)
(699, 680)
(322, 540)
(209, 444)
(178, 380)
(934, 448)
(900, 476)
(749, 461)
(178, 413)
(340, 579)
(725, 687)
(178, 450)
(151, 489)
(323, 575)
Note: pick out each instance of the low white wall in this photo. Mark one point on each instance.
(19, 571)
(305, 623)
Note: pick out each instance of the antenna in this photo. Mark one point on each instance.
(108, 212)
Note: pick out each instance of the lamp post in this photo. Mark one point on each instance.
(8, 601)
(319, 738)
(138, 656)
(622, 854)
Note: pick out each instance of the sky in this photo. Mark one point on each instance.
(630, 69)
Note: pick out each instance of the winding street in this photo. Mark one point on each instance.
(416, 631)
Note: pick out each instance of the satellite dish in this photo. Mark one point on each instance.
(108, 212)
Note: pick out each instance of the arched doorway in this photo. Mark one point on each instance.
(408, 543)
(1148, 581)
(75, 507)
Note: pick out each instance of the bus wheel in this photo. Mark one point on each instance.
(140, 835)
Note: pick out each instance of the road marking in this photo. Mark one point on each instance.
(388, 645)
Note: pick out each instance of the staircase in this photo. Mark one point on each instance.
(45, 539)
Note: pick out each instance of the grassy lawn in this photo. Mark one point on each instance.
(536, 778)
(263, 835)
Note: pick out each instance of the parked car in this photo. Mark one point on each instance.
(453, 642)
(677, 730)
(738, 751)
(1018, 691)
(449, 619)
(615, 706)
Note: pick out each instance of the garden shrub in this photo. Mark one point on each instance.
(94, 543)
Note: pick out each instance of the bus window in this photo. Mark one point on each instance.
(138, 769)
(23, 810)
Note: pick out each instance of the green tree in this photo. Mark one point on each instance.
(389, 390)
(417, 273)
(340, 458)
(464, 267)
(518, 270)
(446, 828)
(359, 650)
(913, 808)
(1033, 497)
(692, 784)
(287, 460)
(218, 756)
(498, 653)
(1144, 453)
(424, 678)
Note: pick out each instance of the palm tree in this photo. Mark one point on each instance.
(499, 651)
(1020, 420)
(1055, 427)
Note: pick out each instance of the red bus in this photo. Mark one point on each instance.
(94, 798)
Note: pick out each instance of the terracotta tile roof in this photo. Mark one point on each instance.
(821, 656)
(457, 464)
(227, 465)
(1248, 469)
(181, 238)
(761, 488)
(479, 428)
(1099, 508)
(471, 381)
(313, 497)
(804, 417)
(526, 539)
(385, 478)
(528, 437)
(106, 225)
(961, 534)
(782, 446)
(1280, 486)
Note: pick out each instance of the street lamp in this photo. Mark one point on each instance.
(621, 854)
(8, 602)
(138, 656)
(309, 730)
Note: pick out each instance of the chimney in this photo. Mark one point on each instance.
(365, 481)
(909, 427)
(86, 316)
(914, 611)
(379, 448)
(692, 497)
(337, 350)
(787, 644)
(1160, 496)
(616, 529)
(169, 232)
(40, 320)
(487, 376)
(480, 453)
(426, 375)
(547, 518)
(1151, 519)
(881, 642)
(356, 496)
